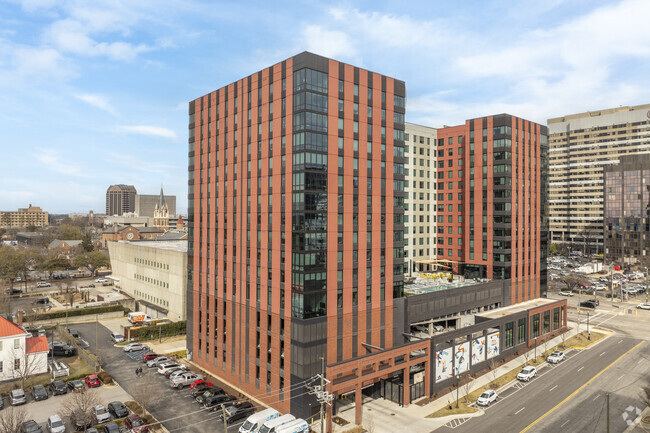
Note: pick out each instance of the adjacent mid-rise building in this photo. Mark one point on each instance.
(419, 198)
(24, 217)
(627, 209)
(145, 204)
(581, 145)
(120, 199)
(296, 223)
(491, 202)
(154, 273)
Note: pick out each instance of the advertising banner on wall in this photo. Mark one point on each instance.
(461, 353)
(492, 345)
(443, 365)
(478, 350)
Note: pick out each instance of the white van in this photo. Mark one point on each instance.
(254, 422)
(272, 425)
(297, 426)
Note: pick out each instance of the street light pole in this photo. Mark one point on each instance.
(457, 382)
(588, 333)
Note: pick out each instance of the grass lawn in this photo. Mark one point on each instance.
(580, 341)
(462, 408)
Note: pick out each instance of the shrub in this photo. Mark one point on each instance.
(75, 312)
(179, 354)
(106, 378)
(153, 332)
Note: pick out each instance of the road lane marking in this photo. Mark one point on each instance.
(619, 341)
(595, 398)
(565, 423)
(581, 388)
(519, 410)
(553, 388)
(622, 376)
(581, 368)
(602, 354)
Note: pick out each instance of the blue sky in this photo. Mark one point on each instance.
(94, 93)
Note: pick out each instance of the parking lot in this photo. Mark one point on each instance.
(39, 411)
(176, 409)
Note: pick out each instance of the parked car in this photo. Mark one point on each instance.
(101, 280)
(43, 284)
(39, 393)
(588, 304)
(134, 347)
(171, 371)
(184, 379)
(30, 426)
(17, 396)
(117, 409)
(527, 373)
(92, 430)
(157, 361)
(566, 293)
(134, 423)
(58, 387)
(243, 405)
(236, 413)
(75, 385)
(217, 400)
(55, 424)
(488, 397)
(93, 381)
(74, 332)
(117, 338)
(209, 392)
(149, 356)
(555, 357)
(644, 306)
(110, 427)
(200, 388)
(176, 373)
(162, 368)
(200, 382)
(59, 348)
(79, 420)
(100, 414)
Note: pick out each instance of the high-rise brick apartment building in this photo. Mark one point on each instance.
(296, 224)
(120, 199)
(491, 197)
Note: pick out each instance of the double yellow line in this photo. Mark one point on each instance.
(579, 389)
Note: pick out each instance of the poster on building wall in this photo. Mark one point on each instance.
(461, 353)
(443, 365)
(478, 350)
(492, 345)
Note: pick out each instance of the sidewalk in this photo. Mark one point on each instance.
(386, 416)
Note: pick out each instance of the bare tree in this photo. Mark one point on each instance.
(526, 355)
(570, 281)
(11, 419)
(546, 341)
(467, 387)
(83, 402)
(493, 369)
(645, 395)
(369, 425)
(25, 365)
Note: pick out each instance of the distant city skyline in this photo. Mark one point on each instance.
(95, 94)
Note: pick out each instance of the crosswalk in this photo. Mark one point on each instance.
(455, 423)
(137, 355)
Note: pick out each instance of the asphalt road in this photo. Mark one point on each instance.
(178, 412)
(522, 405)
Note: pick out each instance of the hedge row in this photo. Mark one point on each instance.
(75, 312)
(155, 331)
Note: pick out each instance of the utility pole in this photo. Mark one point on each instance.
(588, 333)
(159, 333)
(322, 403)
(607, 395)
(457, 383)
(225, 418)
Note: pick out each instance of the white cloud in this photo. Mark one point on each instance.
(53, 160)
(142, 165)
(97, 101)
(328, 43)
(150, 130)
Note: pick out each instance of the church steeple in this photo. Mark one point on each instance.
(161, 212)
(161, 199)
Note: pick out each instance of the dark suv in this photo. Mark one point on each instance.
(588, 304)
(39, 393)
(59, 348)
(58, 387)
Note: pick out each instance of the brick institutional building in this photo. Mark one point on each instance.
(296, 238)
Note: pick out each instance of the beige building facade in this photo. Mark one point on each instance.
(24, 217)
(580, 146)
(420, 197)
(154, 273)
